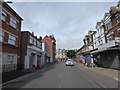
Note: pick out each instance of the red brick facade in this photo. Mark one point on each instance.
(52, 45)
(10, 30)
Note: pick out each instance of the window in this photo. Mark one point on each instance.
(13, 22)
(2, 35)
(31, 40)
(110, 38)
(109, 25)
(4, 15)
(12, 40)
(34, 41)
(39, 44)
(10, 59)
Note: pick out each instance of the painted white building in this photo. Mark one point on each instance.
(33, 55)
(31, 50)
(61, 53)
(95, 40)
(100, 33)
(45, 53)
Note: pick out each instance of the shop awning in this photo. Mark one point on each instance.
(105, 49)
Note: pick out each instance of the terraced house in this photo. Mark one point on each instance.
(31, 50)
(10, 33)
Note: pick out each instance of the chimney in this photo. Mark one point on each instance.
(32, 33)
(40, 38)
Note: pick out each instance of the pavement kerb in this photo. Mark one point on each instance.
(22, 77)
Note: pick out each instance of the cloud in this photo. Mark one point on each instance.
(68, 21)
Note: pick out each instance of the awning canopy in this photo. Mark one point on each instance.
(105, 49)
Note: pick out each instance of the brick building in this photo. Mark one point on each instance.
(31, 50)
(105, 40)
(108, 53)
(50, 40)
(10, 33)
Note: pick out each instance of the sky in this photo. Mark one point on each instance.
(69, 22)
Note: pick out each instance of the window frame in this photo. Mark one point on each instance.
(31, 40)
(13, 22)
(4, 15)
(12, 39)
(109, 25)
(10, 60)
(2, 35)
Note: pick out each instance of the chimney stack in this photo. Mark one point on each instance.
(32, 33)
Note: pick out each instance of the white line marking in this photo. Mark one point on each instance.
(60, 76)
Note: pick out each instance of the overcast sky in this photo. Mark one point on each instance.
(69, 22)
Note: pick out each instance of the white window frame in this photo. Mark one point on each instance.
(2, 35)
(34, 41)
(109, 25)
(4, 15)
(12, 40)
(10, 59)
(13, 22)
(31, 39)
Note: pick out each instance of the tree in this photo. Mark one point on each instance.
(71, 53)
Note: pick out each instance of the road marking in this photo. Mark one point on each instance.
(60, 76)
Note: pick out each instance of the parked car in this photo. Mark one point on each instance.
(69, 63)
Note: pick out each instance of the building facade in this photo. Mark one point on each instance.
(10, 34)
(50, 40)
(108, 52)
(61, 54)
(45, 53)
(31, 50)
(106, 40)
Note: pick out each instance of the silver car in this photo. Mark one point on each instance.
(69, 63)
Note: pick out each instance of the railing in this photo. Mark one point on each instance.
(9, 67)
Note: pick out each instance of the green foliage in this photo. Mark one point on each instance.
(71, 53)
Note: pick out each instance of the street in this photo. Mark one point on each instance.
(55, 76)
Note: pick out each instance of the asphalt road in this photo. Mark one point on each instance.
(55, 76)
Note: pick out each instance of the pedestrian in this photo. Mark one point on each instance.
(38, 65)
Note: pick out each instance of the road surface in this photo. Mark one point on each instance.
(56, 76)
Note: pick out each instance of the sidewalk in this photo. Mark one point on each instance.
(107, 78)
(7, 76)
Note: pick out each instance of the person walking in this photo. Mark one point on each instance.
(38, 65)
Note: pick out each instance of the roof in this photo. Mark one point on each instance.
(6, 5)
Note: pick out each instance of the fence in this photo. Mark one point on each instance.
(9, 67)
